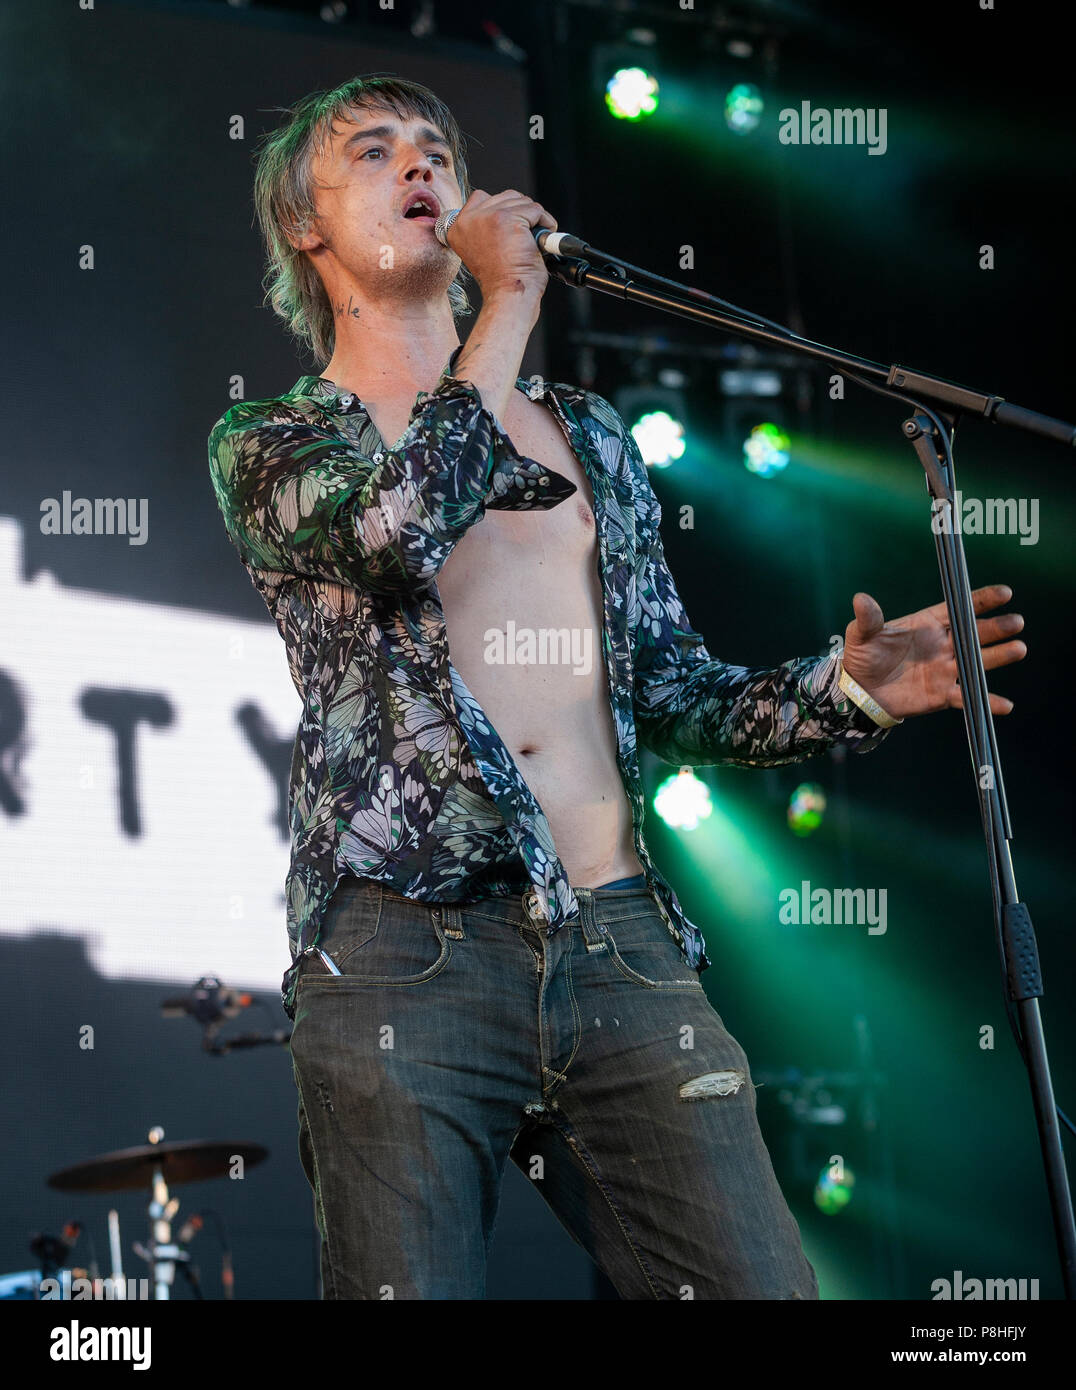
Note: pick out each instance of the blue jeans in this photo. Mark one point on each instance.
(456, 1037)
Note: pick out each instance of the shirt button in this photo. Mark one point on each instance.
(543, 480)
(528, 495)
(346, 400)
(378, 457)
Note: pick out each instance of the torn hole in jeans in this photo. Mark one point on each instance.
(713, 1083)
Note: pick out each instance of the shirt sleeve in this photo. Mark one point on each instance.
(691, 709)
(300, 498)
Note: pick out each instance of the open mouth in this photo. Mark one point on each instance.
(421, 211)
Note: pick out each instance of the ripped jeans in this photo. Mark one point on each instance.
(456, 1037)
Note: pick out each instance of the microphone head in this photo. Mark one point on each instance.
(441, 226)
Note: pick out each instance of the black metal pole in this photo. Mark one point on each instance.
(930, 434)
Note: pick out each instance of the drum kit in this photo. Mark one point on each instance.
(155, 1167)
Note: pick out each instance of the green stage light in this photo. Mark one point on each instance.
(682, 800)
(743, 108)
(766, 450)
(660, 438)
(631, 94)
(833, 1191)
(806, 806)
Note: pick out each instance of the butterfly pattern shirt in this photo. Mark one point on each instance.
(397, 774)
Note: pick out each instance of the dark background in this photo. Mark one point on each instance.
(118, 121)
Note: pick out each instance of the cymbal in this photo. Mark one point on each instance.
(185, 1160)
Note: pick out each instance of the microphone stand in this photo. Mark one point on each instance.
(930, 431)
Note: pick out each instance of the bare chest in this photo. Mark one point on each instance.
(537, 568)
(536, 433)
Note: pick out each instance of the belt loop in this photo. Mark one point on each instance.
(593, 934)
(452, 922)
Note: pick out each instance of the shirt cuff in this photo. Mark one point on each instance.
(517, 483)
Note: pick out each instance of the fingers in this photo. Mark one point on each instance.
(537, 216)
(994, 629)
(998, 703)
(983, 600)
(993, 657)
(1004, 655)
(991, 596)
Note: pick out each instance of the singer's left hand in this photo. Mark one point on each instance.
(908, 664)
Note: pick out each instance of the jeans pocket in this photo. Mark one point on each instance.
(375, 936)
(644, 952)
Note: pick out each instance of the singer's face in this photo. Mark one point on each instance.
(362, 179)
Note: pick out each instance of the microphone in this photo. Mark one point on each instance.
(559, 244)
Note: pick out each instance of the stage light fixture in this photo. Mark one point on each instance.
(653, 410)
(743, 108)
(766, 450)
(833, 1190)
(682, 800)
(806, 807)
(632, 94)
(660, 438)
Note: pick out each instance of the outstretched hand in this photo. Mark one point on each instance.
(908, 664)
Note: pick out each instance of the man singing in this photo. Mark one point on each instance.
(485, 961)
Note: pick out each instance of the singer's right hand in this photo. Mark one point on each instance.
(493, 238)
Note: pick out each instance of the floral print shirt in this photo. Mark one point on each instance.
(397, 774)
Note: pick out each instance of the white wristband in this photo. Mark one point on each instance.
(867, 703)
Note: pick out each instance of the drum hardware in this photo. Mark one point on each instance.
(159, 1166)
(211, 1003)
